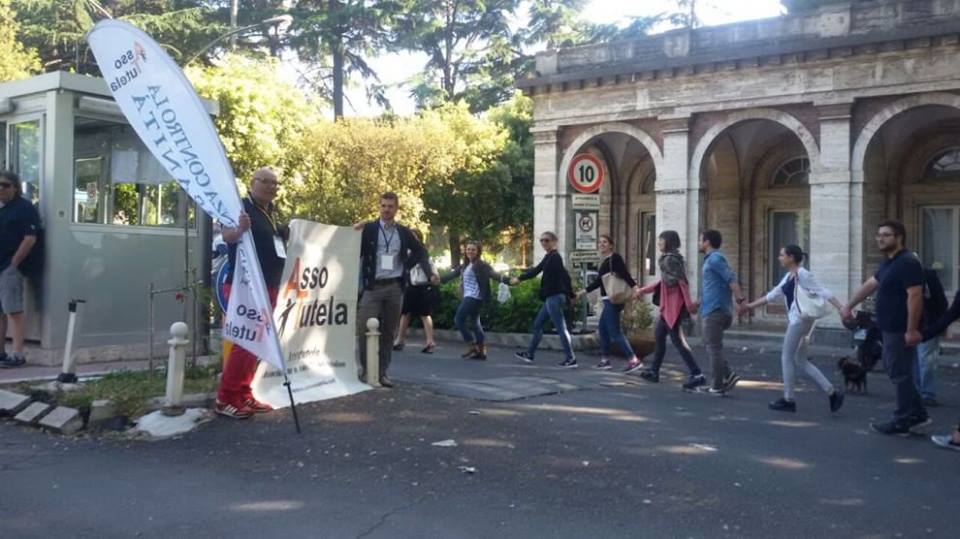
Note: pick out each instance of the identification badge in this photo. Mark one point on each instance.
(386, 262)
(278, 246)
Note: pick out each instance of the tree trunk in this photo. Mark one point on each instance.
(336, 49)
(455, 254)
(337, 78)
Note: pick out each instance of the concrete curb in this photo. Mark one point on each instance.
(516, 340)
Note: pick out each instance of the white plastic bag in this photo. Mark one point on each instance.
(503, 293)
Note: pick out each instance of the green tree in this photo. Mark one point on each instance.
(346, 164)
(472, 50)
(516, 117)
(57, 28)
(474, 198)
(262, 120)
(17, 61)
(336, 37)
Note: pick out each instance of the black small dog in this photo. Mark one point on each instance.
(854, 376)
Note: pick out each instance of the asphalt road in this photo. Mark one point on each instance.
(617, 458)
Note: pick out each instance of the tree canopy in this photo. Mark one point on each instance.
(17, 61)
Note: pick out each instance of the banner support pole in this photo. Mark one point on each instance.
(293, 406)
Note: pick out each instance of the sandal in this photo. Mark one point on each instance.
(428, 349)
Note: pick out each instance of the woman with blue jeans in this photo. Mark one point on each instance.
(794, 353)
(475, 293)
(610, 331)
(555, 291)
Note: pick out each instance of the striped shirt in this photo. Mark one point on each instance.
(471, 288)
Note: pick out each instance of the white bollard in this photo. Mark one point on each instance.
(176, 364)
(373, 352)
(68, 373)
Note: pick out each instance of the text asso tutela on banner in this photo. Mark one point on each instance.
(316, 316)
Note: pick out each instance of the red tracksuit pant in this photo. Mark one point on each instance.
(241, 366)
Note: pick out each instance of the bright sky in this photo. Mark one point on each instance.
(395, 70)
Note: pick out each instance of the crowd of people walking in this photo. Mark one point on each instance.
(398, 282)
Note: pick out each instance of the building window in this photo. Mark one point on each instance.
(25, 145)
(118, 182)
(938, 243)
(945, 164)
(786, 227)
(794, 173)
(648, 243)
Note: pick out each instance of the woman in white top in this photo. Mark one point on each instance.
(799, 328)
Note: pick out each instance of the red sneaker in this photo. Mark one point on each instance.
(234, 412)
(257, 406)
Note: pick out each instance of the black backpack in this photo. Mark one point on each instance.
(934, 298)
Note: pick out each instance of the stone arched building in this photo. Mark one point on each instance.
(809, 128)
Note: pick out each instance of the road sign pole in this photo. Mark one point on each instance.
(585, 301)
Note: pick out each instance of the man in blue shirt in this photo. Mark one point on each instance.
(19, 222)
(898, 283)
(717, 283)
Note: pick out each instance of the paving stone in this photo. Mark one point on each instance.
(100, 411)
(63, 420)
(32, 413)
(12, 403)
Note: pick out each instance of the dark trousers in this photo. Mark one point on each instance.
(899, 359)
(382, 302)
(679, 341)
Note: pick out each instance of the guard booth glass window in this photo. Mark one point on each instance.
(25, 145)
(117, 181)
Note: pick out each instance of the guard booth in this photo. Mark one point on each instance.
(114, 221)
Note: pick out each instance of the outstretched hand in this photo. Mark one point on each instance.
(514, 281)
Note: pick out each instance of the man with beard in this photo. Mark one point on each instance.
(898, 284)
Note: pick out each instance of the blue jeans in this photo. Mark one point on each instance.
(469, 308)
(925, 373)
(553, 310)
(610, 330)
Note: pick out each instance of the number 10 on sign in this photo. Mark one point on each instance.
(585, 173)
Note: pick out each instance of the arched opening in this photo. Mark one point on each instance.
(627, 196)
(911, 172)
(755, 190)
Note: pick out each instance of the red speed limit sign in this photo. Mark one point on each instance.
(586, 173)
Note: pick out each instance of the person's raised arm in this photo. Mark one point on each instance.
(233, 234)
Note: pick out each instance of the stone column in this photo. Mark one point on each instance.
(551, 198)
(835, 207)
(678, 195)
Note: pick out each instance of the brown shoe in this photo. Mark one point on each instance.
(481, 352)
(471, 352)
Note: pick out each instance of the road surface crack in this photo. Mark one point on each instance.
(387, 515)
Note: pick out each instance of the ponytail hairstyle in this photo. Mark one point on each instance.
(795, 252)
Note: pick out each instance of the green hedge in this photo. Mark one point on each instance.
(514, 316)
